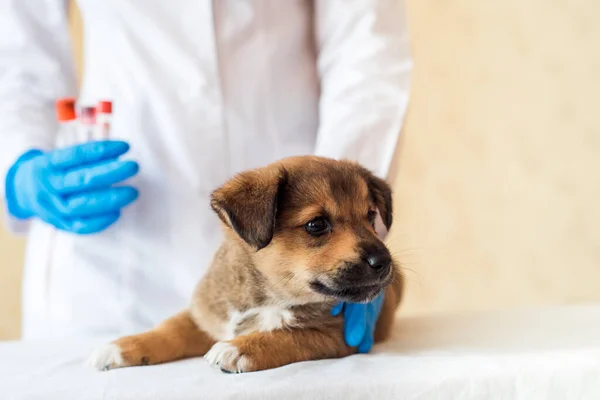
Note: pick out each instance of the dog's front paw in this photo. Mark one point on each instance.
(227, 357)
(108, 356)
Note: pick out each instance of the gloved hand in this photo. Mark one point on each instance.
(359, 322)
(71, 188)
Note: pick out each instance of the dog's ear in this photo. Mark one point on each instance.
(381, 193)
(248, 203)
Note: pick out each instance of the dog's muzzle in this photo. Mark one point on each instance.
(361, 281)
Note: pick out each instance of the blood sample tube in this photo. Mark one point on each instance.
(67, 119)
(103, 120)
(87, 119)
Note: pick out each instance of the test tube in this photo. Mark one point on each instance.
(88, 123)
(104, 119)
(67, 119)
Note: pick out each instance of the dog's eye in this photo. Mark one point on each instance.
(371, 215)
(318, 226)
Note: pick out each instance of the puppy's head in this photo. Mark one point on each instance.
(309, 225)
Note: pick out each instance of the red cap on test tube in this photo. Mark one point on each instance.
(105, 107)
(65, 109)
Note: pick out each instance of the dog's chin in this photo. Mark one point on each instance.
(349, 294)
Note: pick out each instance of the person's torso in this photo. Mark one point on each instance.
(201, 91)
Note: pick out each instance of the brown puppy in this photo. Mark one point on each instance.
(299, 237)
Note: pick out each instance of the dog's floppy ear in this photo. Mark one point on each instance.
(248, 202)
(381, 193)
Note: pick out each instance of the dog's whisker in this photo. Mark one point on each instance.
(289, 276)
(299, 291)
(411, 277)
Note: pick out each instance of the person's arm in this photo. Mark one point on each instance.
(36, 68)
(365, 67)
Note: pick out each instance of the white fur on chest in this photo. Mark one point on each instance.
(259, 319)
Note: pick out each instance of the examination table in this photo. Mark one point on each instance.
(543, 353)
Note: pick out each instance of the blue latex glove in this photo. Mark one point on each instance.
(359, 322)
(72, 188)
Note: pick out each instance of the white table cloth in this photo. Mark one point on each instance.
(551, 353)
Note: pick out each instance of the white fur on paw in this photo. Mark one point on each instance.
(106, 357)
(227, 357)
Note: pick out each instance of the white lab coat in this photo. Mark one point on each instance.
(201, 90)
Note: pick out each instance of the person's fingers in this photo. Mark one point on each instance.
(337, 309)
(93, 177)
(373, 309)
(87, 153)
(50, 209)
(46, 210)
(367, 343)
(99, 202)
(378, 303)
(86, 226)
(355, 323)
(52, 219)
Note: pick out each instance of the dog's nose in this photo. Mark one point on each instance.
(380, 261)
(374, 264)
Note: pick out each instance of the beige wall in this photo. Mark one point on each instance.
(499, 179)
(499, 182)
(11, 258)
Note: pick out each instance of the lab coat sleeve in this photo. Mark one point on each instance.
(365, 66)
(36, 67)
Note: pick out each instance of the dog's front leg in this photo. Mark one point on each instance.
(265, 350)
(176, 338)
